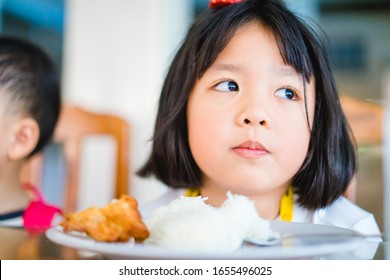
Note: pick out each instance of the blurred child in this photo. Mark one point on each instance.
(249, 105)
(29, 108)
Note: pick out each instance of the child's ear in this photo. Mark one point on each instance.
(25, 136)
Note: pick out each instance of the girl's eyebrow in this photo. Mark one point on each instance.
(226, 67)
(287, 71)
(281, 71)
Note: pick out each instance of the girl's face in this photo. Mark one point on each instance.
(247, 125)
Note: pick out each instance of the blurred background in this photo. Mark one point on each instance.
(113, 56)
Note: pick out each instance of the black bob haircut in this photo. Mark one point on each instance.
(29, 80)
(331, 159)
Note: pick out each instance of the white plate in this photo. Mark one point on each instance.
(299, 241)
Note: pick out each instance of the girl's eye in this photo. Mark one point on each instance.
(227, 86)
(286, 94)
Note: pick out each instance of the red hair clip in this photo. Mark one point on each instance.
(219, 3)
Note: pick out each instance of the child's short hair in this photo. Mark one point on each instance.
(331, 159)
(29, 81)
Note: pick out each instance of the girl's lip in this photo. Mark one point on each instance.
(251, 149)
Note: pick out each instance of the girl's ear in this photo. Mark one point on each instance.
(25, 136)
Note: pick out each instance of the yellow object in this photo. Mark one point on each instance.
(287, 205)
(192, 192)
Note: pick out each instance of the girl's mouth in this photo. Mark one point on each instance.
(251, 149)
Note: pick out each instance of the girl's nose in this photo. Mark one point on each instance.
(252, 116)
(249, 122)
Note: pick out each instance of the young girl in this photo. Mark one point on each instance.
(29, 108)
(250, 106)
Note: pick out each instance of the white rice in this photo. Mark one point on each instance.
(187, 223)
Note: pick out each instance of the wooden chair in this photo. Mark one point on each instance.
(366, 120)
(75, 124)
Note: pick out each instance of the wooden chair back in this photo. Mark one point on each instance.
(74, 124)
(366, 121)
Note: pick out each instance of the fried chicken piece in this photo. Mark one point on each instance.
(117, 222)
